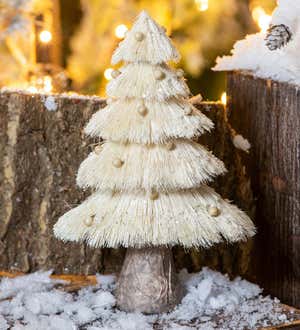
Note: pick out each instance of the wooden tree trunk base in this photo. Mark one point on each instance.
(148, 282)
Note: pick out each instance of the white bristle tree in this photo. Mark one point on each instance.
(149, 177)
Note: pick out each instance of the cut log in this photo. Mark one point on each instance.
(148, 282)
(41, 147)
(267, 113)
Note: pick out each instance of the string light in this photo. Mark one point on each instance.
(120, 31)
(261, 18)
(202, 4)
(45, 36)
(224, 98)
(107, 73)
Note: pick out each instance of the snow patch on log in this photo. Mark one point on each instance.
(50, 103)
(241, 143)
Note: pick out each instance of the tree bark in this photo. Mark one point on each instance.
(41, 148)
(39, 153)
(268, 114)
(148, 282)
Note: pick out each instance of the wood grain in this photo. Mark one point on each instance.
(267, 113)
(40, 151)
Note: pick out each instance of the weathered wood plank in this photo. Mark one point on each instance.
(40, 152)
(268, 114)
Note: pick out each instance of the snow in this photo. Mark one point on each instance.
(212, 301)
(43, 94)
(50, 103)
(29, 283)
(241, 143)
(252, 54)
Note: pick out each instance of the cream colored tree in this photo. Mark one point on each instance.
(149, 176)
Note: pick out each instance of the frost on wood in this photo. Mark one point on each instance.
(254, 55)
(149, 178)
(211, 301)
(138, 80)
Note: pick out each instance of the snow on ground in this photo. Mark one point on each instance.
(212, 301)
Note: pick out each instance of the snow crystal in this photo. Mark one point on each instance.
(241, 143)
(252, 54)
(50, 103)
(212, 300)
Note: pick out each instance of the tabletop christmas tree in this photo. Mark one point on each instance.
(149, 176)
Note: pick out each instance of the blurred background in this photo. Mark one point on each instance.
(55, 46)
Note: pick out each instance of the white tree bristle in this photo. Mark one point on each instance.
(135, 220)
(120, 121)
(137, 80)
(155, 47)
(154, 167)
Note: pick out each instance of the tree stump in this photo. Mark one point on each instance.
(41, 147)
(267, 113)
(148, 281)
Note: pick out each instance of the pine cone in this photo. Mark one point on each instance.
(278, 36)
